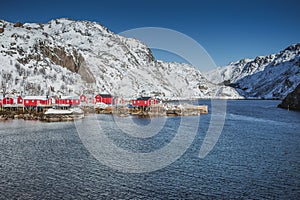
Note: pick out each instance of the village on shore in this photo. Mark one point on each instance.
(68, 108)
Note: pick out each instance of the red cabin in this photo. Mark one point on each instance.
(7, 101)
(19, 100)
(118, 100)
(103, 98)
(35, 101)
(144, 101)
(83, 98)
(89, 99)
(68, 101)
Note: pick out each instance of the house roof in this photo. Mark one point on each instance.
(8, 97)
(35, 97)
(88, 95)
(69, 97)
(143, 98)
(105, 95)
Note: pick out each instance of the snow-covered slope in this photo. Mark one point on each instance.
(71, 57)
(272, 76)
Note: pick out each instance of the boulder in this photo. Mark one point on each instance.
(292, 100)
(18, 24)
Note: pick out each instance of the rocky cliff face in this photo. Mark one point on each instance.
(68, 57)
(292, 100)
(272, 76)
(72, 61)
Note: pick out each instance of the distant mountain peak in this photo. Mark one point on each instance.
(271, 76)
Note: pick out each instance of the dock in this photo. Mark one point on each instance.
(158, 110)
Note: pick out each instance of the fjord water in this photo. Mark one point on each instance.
(257, 156)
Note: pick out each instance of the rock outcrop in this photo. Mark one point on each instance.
(292, 100)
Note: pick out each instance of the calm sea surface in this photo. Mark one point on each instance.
(257, 156)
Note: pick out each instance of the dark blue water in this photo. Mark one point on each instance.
(257, 156)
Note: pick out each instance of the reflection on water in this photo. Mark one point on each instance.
(257, 156)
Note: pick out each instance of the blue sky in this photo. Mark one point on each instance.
(228, 30)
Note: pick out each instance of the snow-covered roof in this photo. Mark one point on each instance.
(35, 97)
(89, 95)
(55, 111)
(70, 97)
(7, 97)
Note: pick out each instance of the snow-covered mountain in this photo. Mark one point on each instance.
(71, 57)
(272, 76)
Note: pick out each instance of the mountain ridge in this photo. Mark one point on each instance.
(270, 77)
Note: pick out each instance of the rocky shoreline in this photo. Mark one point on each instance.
(53, 115)
(9, 115)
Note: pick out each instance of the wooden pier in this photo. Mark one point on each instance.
(158, 110)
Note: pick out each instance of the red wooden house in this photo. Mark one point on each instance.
(103, 98)
(12, 102)
(67, 101)
(34, 101)
(7, 101)
(88, 99)
(144, 101)
(83, 98)
(117, 101)
(19, 100)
